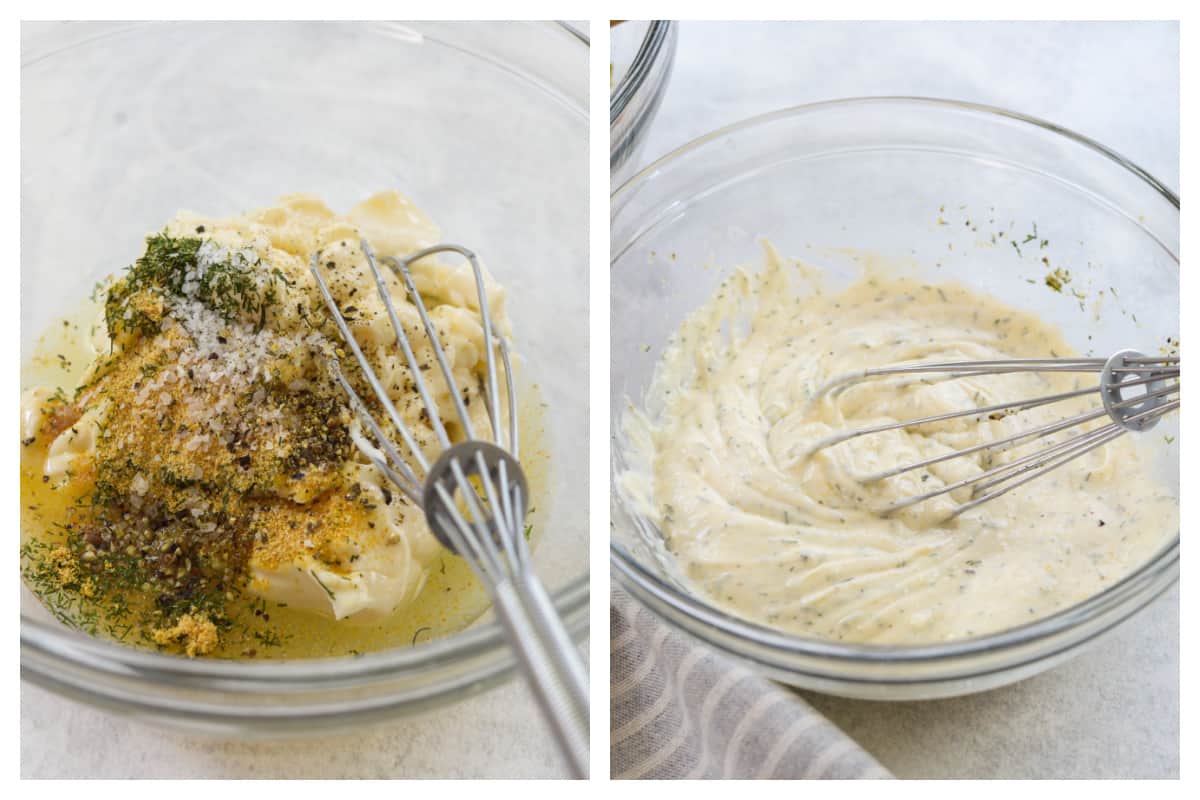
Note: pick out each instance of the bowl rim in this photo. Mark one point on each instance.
(932, 102)
(654, 40)
(630, 571)
(57, 642)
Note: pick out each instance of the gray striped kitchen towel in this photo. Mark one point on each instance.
(679, 710)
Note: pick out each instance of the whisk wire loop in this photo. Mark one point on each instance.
(402, 266)
(514, 442)
(368, 371)
(1157, 378)
(474, 494)
(1084, 445)
(435, 418)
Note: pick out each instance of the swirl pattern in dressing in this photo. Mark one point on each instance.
(720, 461)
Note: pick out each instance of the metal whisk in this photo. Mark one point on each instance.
(1134, 390)
(475, 497)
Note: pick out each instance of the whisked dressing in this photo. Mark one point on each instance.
(721, 461)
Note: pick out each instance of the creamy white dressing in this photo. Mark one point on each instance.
(720, 461)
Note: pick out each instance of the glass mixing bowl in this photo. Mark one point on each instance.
(923, 185)
(485, 126)
(642, 54)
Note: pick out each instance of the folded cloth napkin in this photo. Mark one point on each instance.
(679, 710)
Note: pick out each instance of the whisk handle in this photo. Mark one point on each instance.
(550, 662)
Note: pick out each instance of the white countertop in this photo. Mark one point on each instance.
(1116, 82)
(498, 734)
(1113, 711)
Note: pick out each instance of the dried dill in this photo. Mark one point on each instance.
(182, 267)
(1057, 279)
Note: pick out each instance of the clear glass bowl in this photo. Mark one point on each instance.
(901, 178)
(485, 126)
(642, 54)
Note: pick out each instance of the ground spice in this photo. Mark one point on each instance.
(196, 634)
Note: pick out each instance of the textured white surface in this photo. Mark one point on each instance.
(494, 735)
(1114, 711)
(1116, 82)
(498, 734)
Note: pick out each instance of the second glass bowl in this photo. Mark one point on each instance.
(642, 56)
